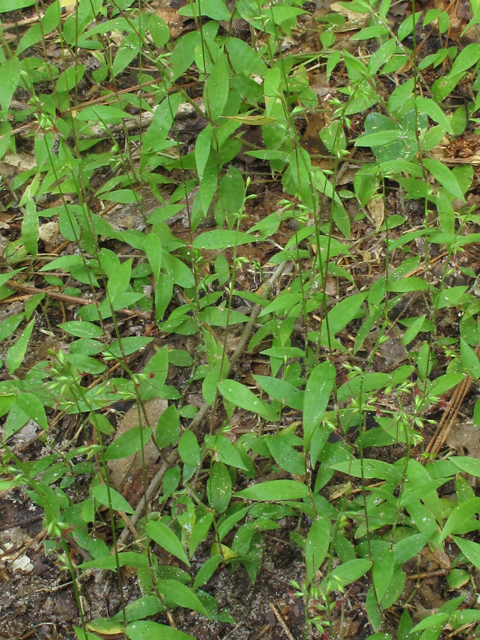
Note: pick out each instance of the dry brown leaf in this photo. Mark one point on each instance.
(126, 475)
(376, 208)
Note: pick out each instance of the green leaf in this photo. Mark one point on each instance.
(222, 239)
(70, 78)
(239, 395)
(225, 451)
(407, 26)
(460, 516)
(7, 5)
(181, 595)
(30, 227)
(159, 30)
(281, 391)
(128, 558)
(8, 326)
(81, 329)
(153, 249)
(16, 353)
(368, 468)
(468, 57)
(168, 427)
(141, 608)
(128, 443)
(351, 570)
(33, 408)
(286, 456)
(10, 71)
(243, 58)
(379, 138)
(469, 359)
(431, 109)
(444, 176)
(189, 450)
(219, 487)
(317, 395)
(207, 570)
(146, 630)
(100, 493)
(467, 464)
(202, 149)
(275, 491)
(341, 314)
(216, 89)
(316, 547)
(167, 539)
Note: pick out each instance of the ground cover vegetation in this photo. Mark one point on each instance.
(239, 319)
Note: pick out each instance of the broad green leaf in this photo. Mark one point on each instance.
(81, 329)
(168, 427)
(281, 391)
(100, 493)
(217, 89)
(382, 572)
(8, 326)
(239, 395)
(128, 443)
(127, 558)
(10, 72)
(286, 456)
(350, 571)
(141, 608)
(225, 451)
(444, 176)
(70, 78)
(146, 630)
(407, 26)
(219, 487)
(30, 227)
(275, 490)
(460, 516)
(468, 57)
(368, 468)
(153, 249)
(467, 464)
(408, 547)
(106, 626)
(103, 114)
(316, 548)
(317, 395)
(222, 239)
(158, 30)
(469, 359)
(166, 538)
(202, 149)
(33, 408)
(188, 449)
(379, 138)
(245, 59)
(181, 595)
(16, 353)
(341, 314)
(431, 109)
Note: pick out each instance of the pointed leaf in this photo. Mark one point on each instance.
(167, 539)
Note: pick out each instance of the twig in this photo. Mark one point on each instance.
(281, 621)
(450, 414)
(71, 299)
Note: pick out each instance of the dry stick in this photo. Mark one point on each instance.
(281, 621)
(450, 414)
(71, 299)
(173, 458)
